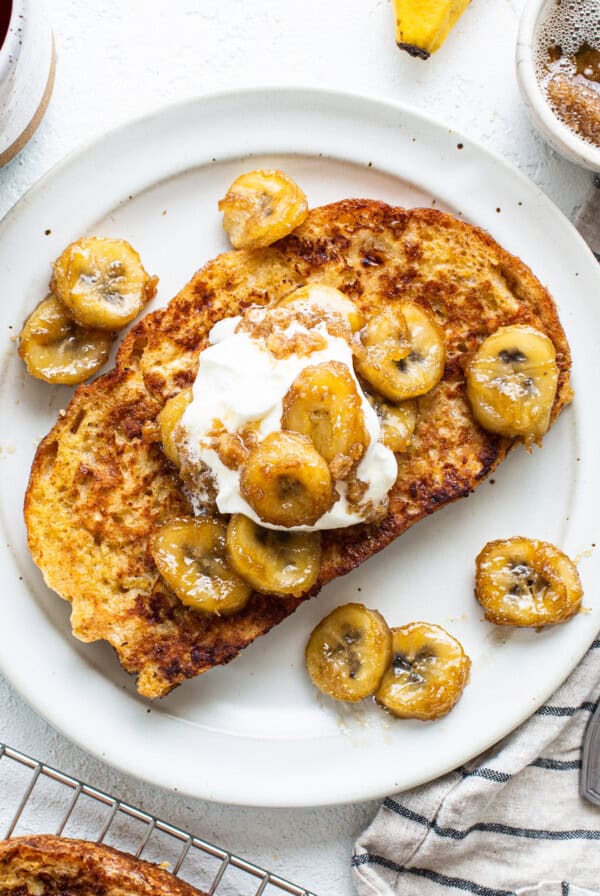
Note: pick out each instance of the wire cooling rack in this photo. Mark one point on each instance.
(36, 798)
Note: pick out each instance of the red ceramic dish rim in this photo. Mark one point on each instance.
(10, 44)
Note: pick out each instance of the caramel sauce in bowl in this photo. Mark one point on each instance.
(558, 71)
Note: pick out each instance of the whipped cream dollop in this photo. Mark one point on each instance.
(240, 382)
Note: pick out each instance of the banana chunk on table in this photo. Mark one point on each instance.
(422, 26)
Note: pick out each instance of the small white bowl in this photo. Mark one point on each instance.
(26, 75)
(561, 137)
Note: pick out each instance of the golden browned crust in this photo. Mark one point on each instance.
(100, 482)
(57, 866)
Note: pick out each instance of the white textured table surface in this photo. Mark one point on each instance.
(120, 59)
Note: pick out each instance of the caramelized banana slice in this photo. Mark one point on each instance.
(427, 674)
(286, 481)
(397, 421)
(273, 562)
(323, 404)
(190, 556)
(56, 350)
(385, 337)
(348, 652)
(102, 282)
(327, 298)
(402, 352)
(168, 419)
(511, 382)
(524, 582)
(261, 207)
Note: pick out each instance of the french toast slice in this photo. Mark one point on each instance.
(56, 866)
(100, 482)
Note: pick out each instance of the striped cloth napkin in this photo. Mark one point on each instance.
(510, 823)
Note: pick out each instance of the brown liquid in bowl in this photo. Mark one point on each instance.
(567, 62)
(572, 85)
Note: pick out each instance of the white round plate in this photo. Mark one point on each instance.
(256, 732)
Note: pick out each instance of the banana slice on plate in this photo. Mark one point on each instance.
(261, 207)
(286, 481)
(323, 404)
(402, 352)
(397, 421)
(329, 299)
(427, 673)
(511, 382)
(190, 555)
(525, 582)
(271, 561)
(56, 350)
(168, 418)
(102, 282)
(348, 652)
